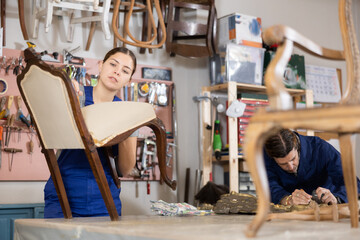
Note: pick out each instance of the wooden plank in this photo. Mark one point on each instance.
(233, 142)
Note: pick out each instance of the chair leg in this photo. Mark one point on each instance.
(22, 20)
(49, 14)
(71, 28)
(91, 33)
(35, 20)
(102, 182)
(348, 166)
(253, 149)
(58, 182)
(158, 127)
(105, 19)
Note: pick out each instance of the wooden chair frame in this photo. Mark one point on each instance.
(343, 118)
(81, 131)
(192, 31)
(68, 8)
(153, 29)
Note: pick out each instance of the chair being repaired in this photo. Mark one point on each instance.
(61, 124)
(343, 118)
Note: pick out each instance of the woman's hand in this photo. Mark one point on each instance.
(325, 196)
(299, 196)
(76, 87)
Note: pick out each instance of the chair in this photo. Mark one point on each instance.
(152, 32)
(140, 7)
(183, 36)
(61, 124)
(343, 118)
(68, 8)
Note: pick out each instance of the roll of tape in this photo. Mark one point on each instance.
(3, 86)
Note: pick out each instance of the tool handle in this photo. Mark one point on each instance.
(2, 113)
(10, 100)
(1, 132)
(2, 102)
(31, 147)
(24, 120)
(12, 119)
(18, 101)
(12, 150)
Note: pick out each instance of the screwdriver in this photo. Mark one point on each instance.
(1, 133)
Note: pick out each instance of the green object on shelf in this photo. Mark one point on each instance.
(217, 144)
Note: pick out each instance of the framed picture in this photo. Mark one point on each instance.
(156, 73)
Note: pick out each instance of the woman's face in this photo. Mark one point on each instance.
(116, 71)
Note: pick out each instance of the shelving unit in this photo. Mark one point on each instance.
(232, 88)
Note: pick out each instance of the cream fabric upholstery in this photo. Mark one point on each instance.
(107, 120)
(49, 102)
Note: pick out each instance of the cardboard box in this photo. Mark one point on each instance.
(240, 29)
(244, 64)
(294, 75)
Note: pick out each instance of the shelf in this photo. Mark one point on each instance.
(250, 88)
(232, 160)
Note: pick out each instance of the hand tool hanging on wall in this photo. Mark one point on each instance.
(8, 106)
(12, 151)
(71, 59)
(11, 65)
(19, 67)
(30, 146)
(2, 105)
(3, 62)
(9, 126)
(20, 115)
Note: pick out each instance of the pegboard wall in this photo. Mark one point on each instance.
(27, 165)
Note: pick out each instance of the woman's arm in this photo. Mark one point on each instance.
(127, 155)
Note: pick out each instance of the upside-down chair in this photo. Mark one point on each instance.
(61, 124)
(342, 118)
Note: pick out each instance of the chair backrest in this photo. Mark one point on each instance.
(286, 38)
(49, 97)
(183, 36)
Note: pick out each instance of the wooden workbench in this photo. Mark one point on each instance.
(190, 227)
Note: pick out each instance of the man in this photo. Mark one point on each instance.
(301, 166)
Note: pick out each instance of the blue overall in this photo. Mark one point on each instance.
(319, 166)
(81, 188)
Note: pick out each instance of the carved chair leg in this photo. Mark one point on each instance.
(158, 127)
(348, 166)
(58, 182)
(253, 149)
(91, 33)
(102, 182)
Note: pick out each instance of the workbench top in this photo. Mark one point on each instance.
(188, 227)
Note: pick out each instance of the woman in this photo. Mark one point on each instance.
(85, 199)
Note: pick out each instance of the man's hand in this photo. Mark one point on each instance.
(325, 196)
(299, 196)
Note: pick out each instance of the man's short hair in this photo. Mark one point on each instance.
(280, 144)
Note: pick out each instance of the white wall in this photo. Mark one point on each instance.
(312, 18)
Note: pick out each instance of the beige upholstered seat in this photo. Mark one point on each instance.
(97, 114)
(61, 124)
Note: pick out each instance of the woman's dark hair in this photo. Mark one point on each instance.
(280, 144)
(122, 50)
